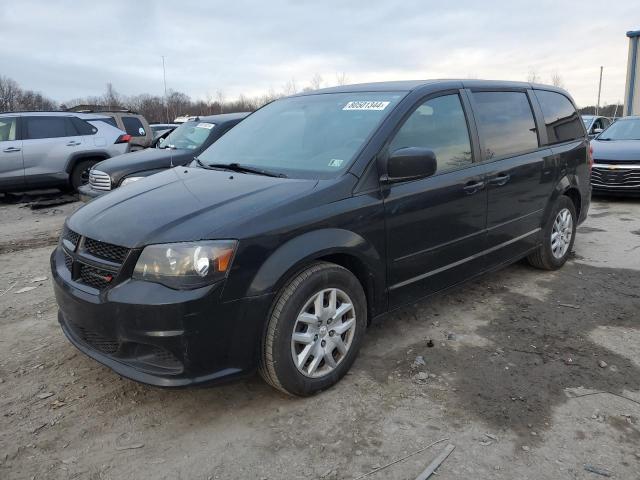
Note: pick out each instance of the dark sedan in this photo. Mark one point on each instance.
(616, 156)
(181, 146)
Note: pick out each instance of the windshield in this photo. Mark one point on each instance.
(188, 136)
(314, 136)
(622, 130)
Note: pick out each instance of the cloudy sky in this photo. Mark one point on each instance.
(72, 49)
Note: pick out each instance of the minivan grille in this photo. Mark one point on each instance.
(71, 236)
(92, 262)
(113, 253)
(95, 277)
(68, 261)
(99, 180)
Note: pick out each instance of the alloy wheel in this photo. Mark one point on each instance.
(323, 332)
(561, 233)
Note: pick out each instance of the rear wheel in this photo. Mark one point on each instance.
(315, 330)
(558, 236)
(80, 174)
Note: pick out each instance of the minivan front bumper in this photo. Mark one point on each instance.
(155, 335)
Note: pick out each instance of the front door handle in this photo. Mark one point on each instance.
(73, 144)
(11, 149)
(473, 186)
(500, 180)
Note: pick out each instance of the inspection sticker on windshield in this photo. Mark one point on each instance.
(335, 162)
(366, 105)
(208, 126)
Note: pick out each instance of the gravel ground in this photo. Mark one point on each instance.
(514, 379)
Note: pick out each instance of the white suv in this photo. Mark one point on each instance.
(54, 149)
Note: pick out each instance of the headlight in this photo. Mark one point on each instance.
(184, 266)
(128, 180)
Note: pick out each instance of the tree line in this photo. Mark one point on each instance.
(153, 107)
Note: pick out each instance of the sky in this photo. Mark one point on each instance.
(71, 49)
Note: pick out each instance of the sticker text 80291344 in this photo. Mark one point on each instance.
(365, 105)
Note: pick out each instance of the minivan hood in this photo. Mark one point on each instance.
(182, 204)
(147, 159)
(621, 150)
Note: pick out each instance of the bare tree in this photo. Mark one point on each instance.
(316, 82)
(556, 80)
(14, 98)
(9, 91)
(290, 87)
(341, 78)
(533, 76)
(221, 100)
(111, 97)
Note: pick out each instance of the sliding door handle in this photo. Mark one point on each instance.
(473, 186)
(500, 180)
(11, 149)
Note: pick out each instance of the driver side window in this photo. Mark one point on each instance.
(439, 124)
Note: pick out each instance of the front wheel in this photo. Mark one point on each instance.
(315, 330)
(558, 236)
(80, 174)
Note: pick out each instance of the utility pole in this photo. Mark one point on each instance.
(599, 90)
(166, 103)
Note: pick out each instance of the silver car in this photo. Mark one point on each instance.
(54, 149)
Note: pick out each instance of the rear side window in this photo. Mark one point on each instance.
(7, 129)
(560, 117)
(506, 123)
(133, 126)
(48, 127)
(83, 128)
(438, 124)
(108, 120)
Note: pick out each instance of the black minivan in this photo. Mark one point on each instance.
(284, 239)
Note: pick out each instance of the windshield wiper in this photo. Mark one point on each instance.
(237, 167)
(203, 165)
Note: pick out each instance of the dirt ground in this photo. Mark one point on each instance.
(531, 375)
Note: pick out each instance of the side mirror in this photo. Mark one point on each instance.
(410, 163)
(596, 131)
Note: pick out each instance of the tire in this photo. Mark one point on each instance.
(296, 301)
(547, 257)
(80, 174)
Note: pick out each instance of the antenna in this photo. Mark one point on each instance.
(164, 77)
(599, 90)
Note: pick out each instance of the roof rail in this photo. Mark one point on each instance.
(99, 109)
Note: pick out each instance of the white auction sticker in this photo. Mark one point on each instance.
(335, 162)
(208, 126)
(366, 105)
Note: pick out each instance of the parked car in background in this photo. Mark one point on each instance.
(161, 129)
(129, 121)
(316, 213)
(595, 124)
(179, 148)
(54, 149)
(616, 156)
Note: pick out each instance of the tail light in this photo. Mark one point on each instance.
(126, 138)
(590, 156)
